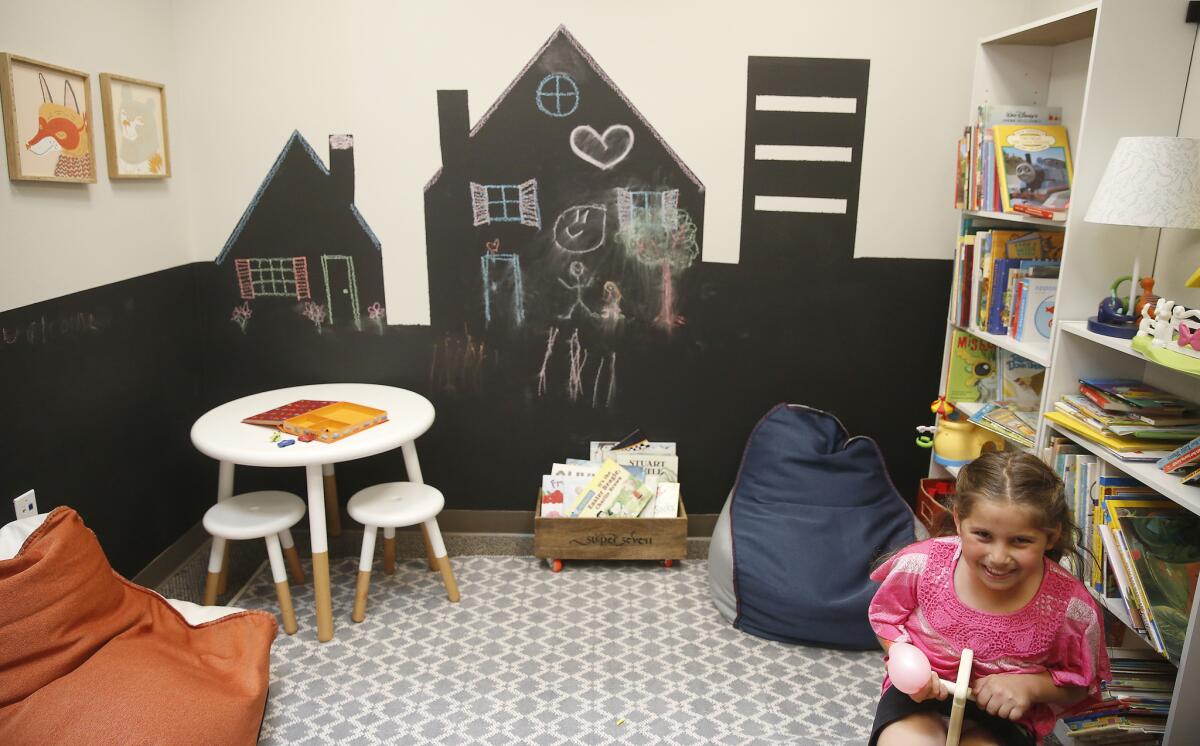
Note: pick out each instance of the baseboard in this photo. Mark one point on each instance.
(478, 522)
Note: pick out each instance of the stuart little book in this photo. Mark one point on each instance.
(972, 372)
(1034, 163)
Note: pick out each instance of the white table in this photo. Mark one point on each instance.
(220, 433)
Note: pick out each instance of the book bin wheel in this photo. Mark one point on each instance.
(668, 563)
(555, 565)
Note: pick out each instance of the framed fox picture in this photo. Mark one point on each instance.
(135, 128)
(47, 121)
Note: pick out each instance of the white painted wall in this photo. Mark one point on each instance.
(57, 239)
(242, 74)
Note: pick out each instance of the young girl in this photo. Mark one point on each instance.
(996, 588)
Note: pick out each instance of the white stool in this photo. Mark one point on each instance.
(257, 515)
(393, 505)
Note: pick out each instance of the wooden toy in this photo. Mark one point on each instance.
(334, 422)
(910, 671)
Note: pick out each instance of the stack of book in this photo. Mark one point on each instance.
(1005, 281)
(1127, 418)
(1004, 419)
(1183, 462)
(632, 478)
(1135, 703)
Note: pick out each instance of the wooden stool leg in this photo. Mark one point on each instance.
(442, 561)
(389, 550)
(279, 574)
(292, 556)
(215, 558)
(333, 516)
(223, 580)
(433, 564)
(364, 573)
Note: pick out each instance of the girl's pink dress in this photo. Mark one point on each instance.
(1059, 630)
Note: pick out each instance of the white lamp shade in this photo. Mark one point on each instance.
(1150, 182)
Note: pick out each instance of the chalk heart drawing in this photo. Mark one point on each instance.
(602, 151)
(580, 229)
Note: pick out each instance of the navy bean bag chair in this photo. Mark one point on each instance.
(810, 512)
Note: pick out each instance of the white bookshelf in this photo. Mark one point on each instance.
(1117, 68)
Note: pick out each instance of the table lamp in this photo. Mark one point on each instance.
(1150, 182)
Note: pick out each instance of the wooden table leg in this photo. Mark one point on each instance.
(224, 492)
(413, 467)
(320, 552)
(333, 516)
(389, 550)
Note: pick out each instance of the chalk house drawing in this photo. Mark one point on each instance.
(300, 212)
(533, 152)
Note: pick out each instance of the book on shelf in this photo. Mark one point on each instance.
(1021, 381)
(1125, 449)
(1163, 541)
(1183, 460)
(1131, 395)
(981, 187)
(999, 418)
(1114, 559)
(1033, 165)
(561, 494)
(1033, 309)
(666, 500)
(971, 372)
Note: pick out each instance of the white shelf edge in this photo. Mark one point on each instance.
(1038, 353)
(1145, 472)
(1016, 217)
(1065, 16)
(1079, 329)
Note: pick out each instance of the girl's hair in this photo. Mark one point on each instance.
(1025, 480)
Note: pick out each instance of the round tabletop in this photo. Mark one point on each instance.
(221, 434)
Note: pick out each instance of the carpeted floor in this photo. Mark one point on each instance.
(602, 653)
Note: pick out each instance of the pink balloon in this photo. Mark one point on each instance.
(908, 667)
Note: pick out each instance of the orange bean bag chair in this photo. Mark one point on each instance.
(88, 657)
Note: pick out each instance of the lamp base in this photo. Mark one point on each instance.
(1122, 331)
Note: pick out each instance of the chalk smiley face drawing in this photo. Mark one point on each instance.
(580, 229)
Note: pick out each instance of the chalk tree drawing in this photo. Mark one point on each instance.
(557, 95)
(654, 243)
(506, 203)
(241, 315)
(580, 229)
(602, 151)
(458, 363)
(502, 284)
(576, 270)
(551, 336)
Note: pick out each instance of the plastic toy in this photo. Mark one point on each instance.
(958, 441)
(909, 671)
(1112, 318)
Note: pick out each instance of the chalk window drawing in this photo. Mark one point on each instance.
(502, 285)
(283, 277)
(506, 203)
(341, 287)
(642, 206)
(557, 95)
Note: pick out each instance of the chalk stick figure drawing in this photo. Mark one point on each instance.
(602, 150)
(503, 289)
(580, 229)
(63, 130)
(576, 270)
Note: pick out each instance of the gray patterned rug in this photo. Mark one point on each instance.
(602, 653)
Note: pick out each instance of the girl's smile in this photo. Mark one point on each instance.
(1002, 556)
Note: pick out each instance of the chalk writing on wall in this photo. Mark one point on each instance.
(64, 327)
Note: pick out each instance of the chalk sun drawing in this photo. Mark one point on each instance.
(580, 229)
(602, 151)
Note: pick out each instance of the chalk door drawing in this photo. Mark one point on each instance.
(135, 127)
(47, 140)
(560, 141)
(341, 288)
(280, 248)
(602, 151)
(503, 289)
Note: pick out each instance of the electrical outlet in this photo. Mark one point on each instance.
(25, 505)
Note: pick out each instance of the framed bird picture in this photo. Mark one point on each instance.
(135, 127)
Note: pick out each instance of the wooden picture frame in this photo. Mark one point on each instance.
(47, 121)
(135, 127)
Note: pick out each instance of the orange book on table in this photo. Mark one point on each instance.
(334, 422)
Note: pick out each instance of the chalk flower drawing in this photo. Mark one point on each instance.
(241, 315)
(314, 312)
(377, 313)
